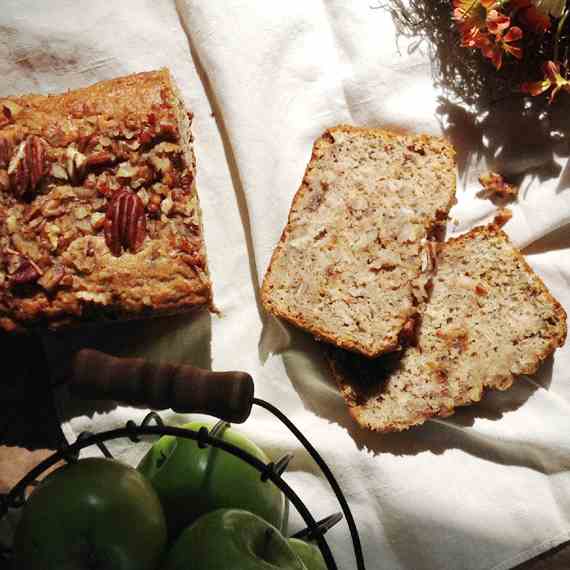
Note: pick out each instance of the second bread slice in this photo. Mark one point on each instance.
(488, 319)
(348, 267)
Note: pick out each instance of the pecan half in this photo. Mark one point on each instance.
(125, 223)
(28, 166)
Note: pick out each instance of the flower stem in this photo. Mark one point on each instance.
(559, 32)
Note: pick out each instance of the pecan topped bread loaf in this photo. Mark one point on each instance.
(353, 260)
(489, 318)
(99, 215)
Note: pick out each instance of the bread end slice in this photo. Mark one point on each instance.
(489, 319)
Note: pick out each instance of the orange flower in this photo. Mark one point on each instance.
(471, 17)
(497, 23)
(504, 43)
(552, 80)
(473, 13)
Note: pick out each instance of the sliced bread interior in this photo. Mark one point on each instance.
(489, 318)
(349, 265)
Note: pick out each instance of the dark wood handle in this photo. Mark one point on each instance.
(138, 382)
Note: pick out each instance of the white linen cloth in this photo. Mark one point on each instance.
(486, 488)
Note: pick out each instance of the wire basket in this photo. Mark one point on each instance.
(272, 471)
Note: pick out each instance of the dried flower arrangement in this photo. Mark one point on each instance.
(532, 32)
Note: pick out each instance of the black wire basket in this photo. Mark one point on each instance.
(315, 529)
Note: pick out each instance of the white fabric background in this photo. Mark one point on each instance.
(486, 488)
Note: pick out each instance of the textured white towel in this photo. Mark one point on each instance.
(486, 488)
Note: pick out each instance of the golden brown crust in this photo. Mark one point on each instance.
(299, 317)
(70, 250)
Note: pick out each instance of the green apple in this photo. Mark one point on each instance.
(231, 539)
(96, 513)
(309, 553)
(191, 481)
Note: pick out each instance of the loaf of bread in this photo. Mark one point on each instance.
(488, 319)
(353, 259)
(99, 215)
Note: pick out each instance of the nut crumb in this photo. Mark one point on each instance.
(495, 185)
(502, 217)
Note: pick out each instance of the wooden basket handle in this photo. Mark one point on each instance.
(184, 388)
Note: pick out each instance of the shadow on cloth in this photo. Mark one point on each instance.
(307, 369)
(30, 415)
(554, 241)
(176, 339)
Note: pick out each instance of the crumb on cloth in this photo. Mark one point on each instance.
(494, 185)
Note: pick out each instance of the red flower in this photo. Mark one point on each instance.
(493, 50)
(552, 80)
(472, 37)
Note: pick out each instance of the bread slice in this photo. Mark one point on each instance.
(350, 257)
(489, 318)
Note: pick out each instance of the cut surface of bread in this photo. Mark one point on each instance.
(99, 211)
(489, 318)
(350, 257)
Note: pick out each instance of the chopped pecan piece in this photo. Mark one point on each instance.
(502, 217)
(480, 290)
(52, 278)
(125, 223)
(85, 141)
(5, 152)
(27, 272)
(194, 260)
(4, 180)
(76, 162)
(494, 184)
(146, 136)
(28, 166)
(186, 182)
(168, 131)
(154, 203)
(97, 159)
(9, 110)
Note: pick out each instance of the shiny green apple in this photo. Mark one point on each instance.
(309, 553)
(95, 513)
(191, 481)
(232, 539)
